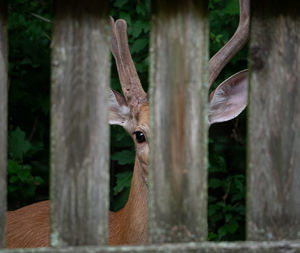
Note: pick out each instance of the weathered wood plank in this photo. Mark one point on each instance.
(274, 126)
(205, 247)
(179, 55)
(3, 117)
(79, 123)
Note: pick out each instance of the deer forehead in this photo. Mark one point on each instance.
(142, 115)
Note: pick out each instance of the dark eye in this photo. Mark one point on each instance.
(139, 136)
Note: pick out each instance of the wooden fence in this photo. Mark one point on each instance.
(179, 43)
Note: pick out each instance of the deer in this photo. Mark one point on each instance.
(30, 226)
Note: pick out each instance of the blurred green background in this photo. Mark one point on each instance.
(29, 24)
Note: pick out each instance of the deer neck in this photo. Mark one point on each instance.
(130, 224)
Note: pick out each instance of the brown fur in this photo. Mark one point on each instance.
(29, 227)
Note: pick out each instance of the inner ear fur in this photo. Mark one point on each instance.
(229, 99)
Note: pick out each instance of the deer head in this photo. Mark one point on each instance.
(131, 111)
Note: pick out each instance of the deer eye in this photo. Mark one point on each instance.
(139, 136)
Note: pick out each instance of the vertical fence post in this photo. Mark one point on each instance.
(79, 123)
(274, 125)
(179, 55)
(3, 118)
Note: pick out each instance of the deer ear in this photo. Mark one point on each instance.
(229, 99)
(119, 112)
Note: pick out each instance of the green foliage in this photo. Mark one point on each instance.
(123, 181)
(226, 215)
(123, 157)
(29, 71)
(17, 144)
(22, 182)
(121, 189)
(226, 202)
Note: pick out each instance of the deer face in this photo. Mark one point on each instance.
(141, 138)
(135, 120)
(226, 102)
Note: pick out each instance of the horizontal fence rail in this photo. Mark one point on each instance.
(204, 247)
(3, 118)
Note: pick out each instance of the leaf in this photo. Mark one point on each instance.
(24, 174)
(222, 231)
(17, 144)
(143, 24)
(30, 191)
(212, 209)
(231, 227)
(12, 166)
(120, 200)
(124, 157)
(120, 3)
(228, 217)
(215, 183)
(123, 181)
(212, 236)
(232, 7)
(240, 209)
(13, 179)
(120, 138)
(139, 45)
(38, 180)
(12, 188)
(217, 164)
(141, 10)
(126, 16)
(217, 217)
(239, 182)
(136, 30)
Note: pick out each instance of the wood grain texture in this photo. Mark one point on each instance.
(79, 123)
(205, 247)
(179, 55)
(3, 118)
(274, 125)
